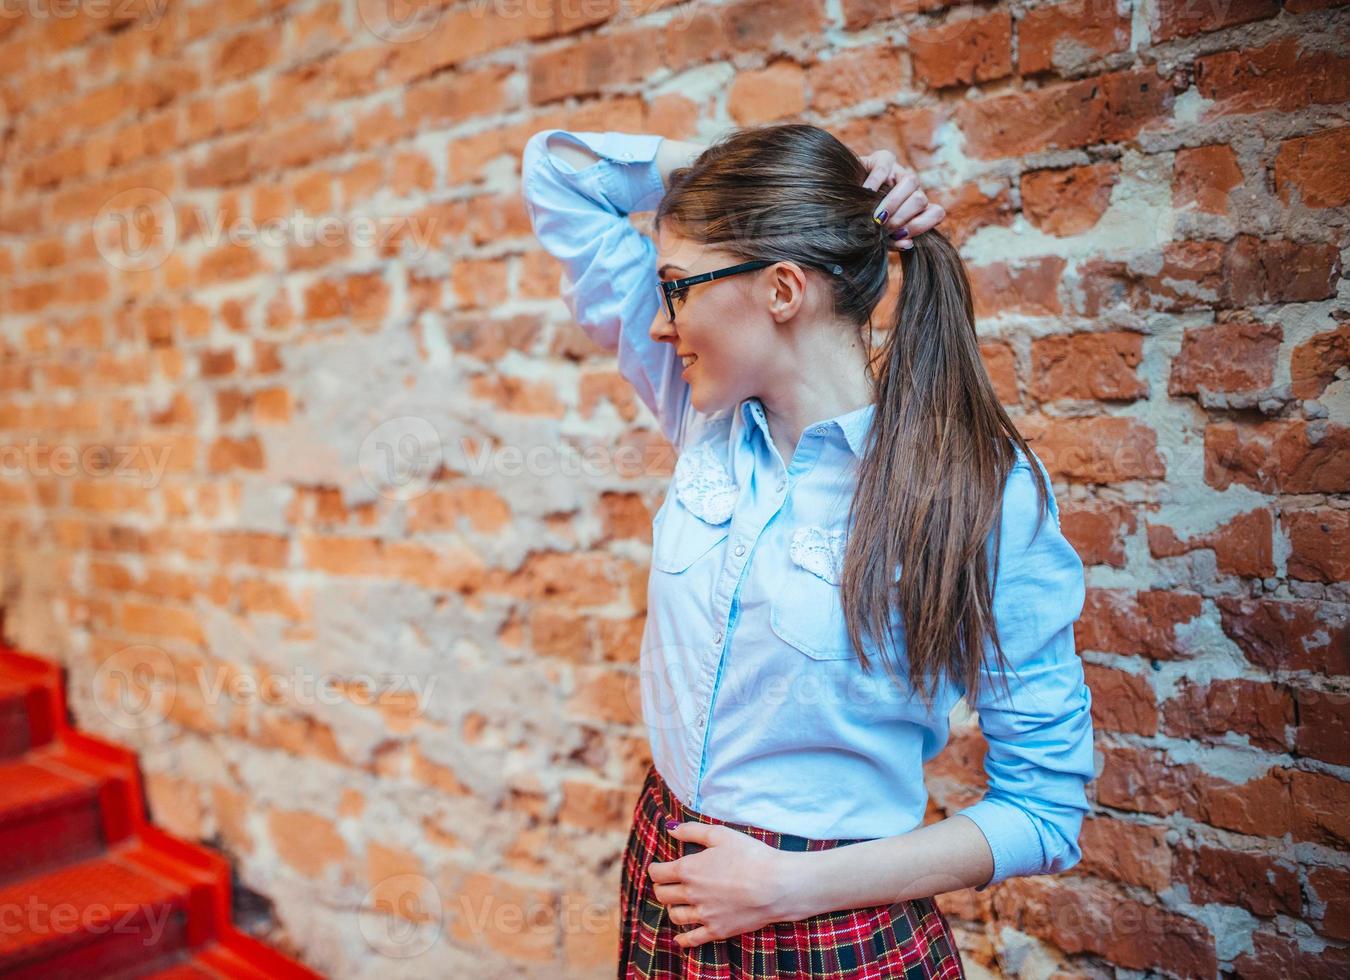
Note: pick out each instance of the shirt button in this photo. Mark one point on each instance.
(781, 485)
(740, 550)
(820, 430)
(702, 720)
(717, 638)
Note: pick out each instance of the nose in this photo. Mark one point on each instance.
(662, 329)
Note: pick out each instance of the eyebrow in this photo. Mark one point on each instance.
(667, 267)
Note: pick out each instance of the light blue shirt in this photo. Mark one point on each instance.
(756, 707)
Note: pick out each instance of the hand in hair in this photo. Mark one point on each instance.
(906, 206)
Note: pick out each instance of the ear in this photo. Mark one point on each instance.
(786, 290)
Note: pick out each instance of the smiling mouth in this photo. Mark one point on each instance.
(689, 359)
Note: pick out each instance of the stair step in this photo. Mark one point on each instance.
(187, 970)
(88, 887)
(32, 702)
(91, 918)
(216, 961)
(47, 817)
(15, 738)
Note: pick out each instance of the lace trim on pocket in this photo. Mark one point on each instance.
(704, 485)
(819, 551)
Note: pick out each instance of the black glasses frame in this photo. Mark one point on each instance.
(668, 288)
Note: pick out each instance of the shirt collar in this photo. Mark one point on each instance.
(855, 424)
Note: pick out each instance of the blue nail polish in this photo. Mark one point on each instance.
(900, 234)
(880, 217)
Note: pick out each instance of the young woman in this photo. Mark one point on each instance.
(829, 509)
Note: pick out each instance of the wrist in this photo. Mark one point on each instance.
(798, 888)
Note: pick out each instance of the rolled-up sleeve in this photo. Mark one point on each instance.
(608, 278)
(1040, 755)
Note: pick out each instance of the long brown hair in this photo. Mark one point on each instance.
(928, 502)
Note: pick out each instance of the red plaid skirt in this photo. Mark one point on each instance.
(910, 939)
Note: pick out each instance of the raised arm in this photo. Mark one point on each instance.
(579, 188)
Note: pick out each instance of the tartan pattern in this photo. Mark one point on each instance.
(910, 939)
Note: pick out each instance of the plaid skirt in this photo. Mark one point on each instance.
(909, 939)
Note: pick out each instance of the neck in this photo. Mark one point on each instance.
(822, 384)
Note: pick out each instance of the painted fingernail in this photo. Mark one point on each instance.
(879, 218)
(671, 823)
(900, 234)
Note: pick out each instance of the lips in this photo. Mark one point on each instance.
(688, 359)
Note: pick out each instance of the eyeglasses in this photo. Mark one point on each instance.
(671, 289)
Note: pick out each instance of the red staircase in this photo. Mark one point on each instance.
(88, 888)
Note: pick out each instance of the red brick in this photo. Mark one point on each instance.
(851, 75)
(1065, 34)
(1234, 356)
(1323, 725)
(1082, 916)
(860, 13)
(1242, 546)
(1314, 166)
(722, 33)
(1319, 544)
(771, 94)
(1133, 853)
(1313, 364)
(1030, 287)
(1097, 531)
(1274, 270)
(1259, 883)
(1094, 449)
(974, 205)
(1321, 808)
(1260, 711)
(1262, 806)
(1280, 76)
(963, 50)
(1121, 701)
(1068, 201)
(1331, 886)
(587, 65)
(1299, 635)
(1105, 109)
(227, 454)
(1202, 177)
(1141, 623)
(1282, 956)
(457, 96)
(1001, 364)
(1278, 456)
(1172, 19)
(1088, 365)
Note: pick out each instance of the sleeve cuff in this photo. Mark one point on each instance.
(637, 185)
(1012, 837)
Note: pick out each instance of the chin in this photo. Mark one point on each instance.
(707, 406)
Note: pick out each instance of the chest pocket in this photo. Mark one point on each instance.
(808, 610)
(696, 516)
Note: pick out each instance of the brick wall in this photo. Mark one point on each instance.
(347, 530)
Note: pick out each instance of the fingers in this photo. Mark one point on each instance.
(684, 915)
(671, 894)
(664, 871)
(880, 165)
(697, 937)
(923, 221)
